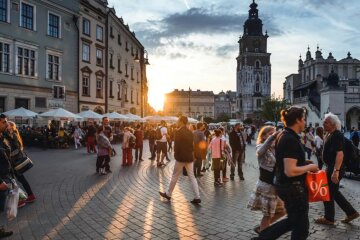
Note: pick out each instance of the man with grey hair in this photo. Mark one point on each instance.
(333, 155)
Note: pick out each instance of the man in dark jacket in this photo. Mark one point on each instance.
(237, 143)
(139, 134)
(183, 153)
(4, 172)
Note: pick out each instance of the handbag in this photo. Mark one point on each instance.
(23, 163)
(318, 187)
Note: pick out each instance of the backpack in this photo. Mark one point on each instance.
(351, 157)
(158, 133)
(132, 142)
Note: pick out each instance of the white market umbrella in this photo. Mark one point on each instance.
(134, 117)
(60, 114)
(171, 119)
(192, 120)
(155, 118)
(116, 116)
(90, 115)
(20, 113)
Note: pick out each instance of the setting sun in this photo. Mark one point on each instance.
(157, 98)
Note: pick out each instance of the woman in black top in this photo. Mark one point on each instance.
(17, 148)
(291, 168)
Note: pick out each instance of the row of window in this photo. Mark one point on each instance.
(28, 18)
(40, 102)
(99, 89)
(27, 61)
(86, 49)
(240, 104)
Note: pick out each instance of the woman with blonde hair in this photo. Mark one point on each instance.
(264, 197)
(17, 149)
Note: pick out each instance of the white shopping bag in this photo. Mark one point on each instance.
(12, 201)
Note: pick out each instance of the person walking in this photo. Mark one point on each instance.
(183, 154)
(104, 152)
(139, 134)
(319, 144)
(200, 148)
(5, 174)
(290, 172)
(238, 145)
(78, 134)
(354, 137)
(17, 151)
(333, 156)
(308, 142)
(264, 198)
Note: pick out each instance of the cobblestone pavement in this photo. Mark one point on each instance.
(75, 203)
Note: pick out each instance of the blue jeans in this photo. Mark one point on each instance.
(297, 207)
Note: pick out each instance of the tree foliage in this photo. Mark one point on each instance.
(223, 117)
(272, 107)
(248, 121)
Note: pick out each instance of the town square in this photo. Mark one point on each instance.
(181, 119)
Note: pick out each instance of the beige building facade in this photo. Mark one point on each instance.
(195, 104)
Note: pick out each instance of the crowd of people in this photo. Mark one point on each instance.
(283, 156)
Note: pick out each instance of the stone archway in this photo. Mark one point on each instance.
(99, 110)
(353, 118)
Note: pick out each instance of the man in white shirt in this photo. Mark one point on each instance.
(161, 143)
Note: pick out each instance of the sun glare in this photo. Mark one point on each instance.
(156, 99)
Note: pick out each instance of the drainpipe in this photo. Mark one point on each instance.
(107, 60)
(75, 20)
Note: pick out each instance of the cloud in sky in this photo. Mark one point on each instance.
(194, 43)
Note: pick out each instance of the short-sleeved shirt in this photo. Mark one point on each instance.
(333, 144)
(288, 145)
(163, 131)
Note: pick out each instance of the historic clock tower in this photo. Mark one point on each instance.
(253, 72)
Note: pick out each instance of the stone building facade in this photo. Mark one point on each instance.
(325, 85)
(127, 83)
(253, 80)
(195, 104)
(225, 104)
(37, 42)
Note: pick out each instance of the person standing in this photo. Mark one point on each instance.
(126, 147)
(238, 145)
(308, 142)
(152, 138)
(5, 174)
(104, 152)
(77, 136)
(90, 141)
(290, 172)
(319, 144)
(333, 156)
(200, 148)
(217, 147)
(183, 153)
(161, 143)
(139, 134)
(17, 149)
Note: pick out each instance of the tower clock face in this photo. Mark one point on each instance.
(256, 43)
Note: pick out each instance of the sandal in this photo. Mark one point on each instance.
(324, 221)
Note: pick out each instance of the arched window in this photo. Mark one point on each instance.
(257, 64)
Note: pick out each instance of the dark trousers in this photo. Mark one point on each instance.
(152, 149)
(319, 158)
(336, 196)
(238, 159)
(3, 195)
(216, 166)
(297, 207)
(308, 151)
(103, 162)
(138, 152)
(21, 178)
(197, 166)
